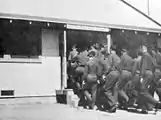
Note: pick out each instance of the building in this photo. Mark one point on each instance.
(30, 65)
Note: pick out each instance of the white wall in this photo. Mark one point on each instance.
(102, 11)
(34, 79)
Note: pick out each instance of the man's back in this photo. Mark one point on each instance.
(104, 65)
(147, 63)
(126, 62)
(92, 66)
(158, 58)
(114, 61)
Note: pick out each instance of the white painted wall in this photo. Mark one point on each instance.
(36, 79)
(102, 11)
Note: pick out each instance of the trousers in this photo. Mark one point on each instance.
(90, 92)
(124, 78)
(109, 88)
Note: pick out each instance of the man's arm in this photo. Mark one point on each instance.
(142, 65)
(134, 68)
(121, 64)
(70, 56)
(155, 63)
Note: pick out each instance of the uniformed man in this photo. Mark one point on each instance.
(104, 66)
(157, 84)
(125, 76)
(147, 67)
(91, 77)
(111, 77)
(79, 73)
(73, 53)
(71, 64)
(92, 48)
(136, 78)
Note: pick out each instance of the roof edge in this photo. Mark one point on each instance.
(76, 22)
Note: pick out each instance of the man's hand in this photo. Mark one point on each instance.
(103, 77)
(141, 80)
(98, 81)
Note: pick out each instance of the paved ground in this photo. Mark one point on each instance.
(64, 112)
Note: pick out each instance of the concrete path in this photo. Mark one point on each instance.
(64, 112)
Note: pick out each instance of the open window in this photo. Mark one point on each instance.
(19, 39)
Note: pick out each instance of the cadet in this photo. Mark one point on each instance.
(111, 76)
(91, 77)
(147, 67)
(158, 74)
(72, 55)
(125, 76)
(79, 73)
(136, 77)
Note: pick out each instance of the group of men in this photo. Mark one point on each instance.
(106, 81)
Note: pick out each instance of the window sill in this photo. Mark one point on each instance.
(21, 60)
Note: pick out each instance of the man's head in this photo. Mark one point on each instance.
(124, 51)
(153, 51)
(91, 54)
(144, 48)
(97, 46)
(74, 47)
(112, 50)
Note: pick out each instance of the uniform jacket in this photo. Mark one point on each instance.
(104, 65)
(72, 54)
(91, 67)
(114, 61)
(148, 63)
(126, 62)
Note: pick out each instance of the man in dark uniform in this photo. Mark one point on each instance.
(135, 83)
(71, 61)
(157, 83)
(111, 74)
(147, 67)
(79, 71)
(91, 77)
(125, 76)
(73, 53)
(156, 86)
(78, 76)
(104, 66)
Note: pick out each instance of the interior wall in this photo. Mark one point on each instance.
(50, 43)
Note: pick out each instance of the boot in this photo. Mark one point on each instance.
(113, 109)
(158, 105)
(144, 111)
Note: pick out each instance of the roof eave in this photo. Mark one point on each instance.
(75, 22)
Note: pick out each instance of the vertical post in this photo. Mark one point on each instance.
(64, 80)
(109, 42)
(65, 61)
(148, 7)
